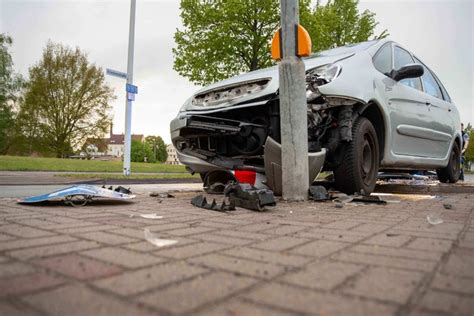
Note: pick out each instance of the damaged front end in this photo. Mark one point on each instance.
(246, 136)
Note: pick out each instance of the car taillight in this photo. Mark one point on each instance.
(244, 176)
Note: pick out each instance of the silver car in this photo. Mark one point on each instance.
(371, 106)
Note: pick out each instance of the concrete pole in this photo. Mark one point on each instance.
(293, 109)
(128, 102)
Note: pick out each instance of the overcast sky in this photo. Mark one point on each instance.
(440, 33)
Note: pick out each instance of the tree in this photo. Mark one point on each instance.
(66, 100)
(158, 148)
(141, 152)
(10, 87)
(222, 38)
(339, 23)
(469, 154)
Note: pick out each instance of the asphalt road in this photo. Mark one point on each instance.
(24, 190)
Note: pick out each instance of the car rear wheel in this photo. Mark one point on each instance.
(450, 174)
(359, 168)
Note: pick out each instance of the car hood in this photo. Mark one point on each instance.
(266, 73)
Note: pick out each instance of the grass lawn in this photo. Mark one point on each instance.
(14, 163)
(109, 176)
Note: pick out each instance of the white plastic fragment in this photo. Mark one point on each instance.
(153, 239)
(151, 216)
(434, 219)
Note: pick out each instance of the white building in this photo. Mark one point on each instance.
(172, 155)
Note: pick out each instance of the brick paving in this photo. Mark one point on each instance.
(294, 259)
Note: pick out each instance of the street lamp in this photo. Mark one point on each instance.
(131, 91)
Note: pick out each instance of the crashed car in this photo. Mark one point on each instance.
(371, 106)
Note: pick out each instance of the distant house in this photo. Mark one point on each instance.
(172, 155)
(112, 146)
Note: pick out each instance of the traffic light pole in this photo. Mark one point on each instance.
(293, 109)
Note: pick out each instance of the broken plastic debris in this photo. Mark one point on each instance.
(343, 199)
(201, 201)
(249, 197)
(448, 206)
(434, 219)
(161, 195)
(79, 195)
(151, 216)
(153, 239)
(318, 193)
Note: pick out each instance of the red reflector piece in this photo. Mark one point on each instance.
(244, 176)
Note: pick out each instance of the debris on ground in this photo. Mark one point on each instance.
(151, 216)
(338, 205)
(318, 193)
(448, 206)
(247, 196)
(341, 197)
(153, 239)
(79, 195)
(162, 195)
(434, 219)
(372, 199)
(201, 202)
(119, 189)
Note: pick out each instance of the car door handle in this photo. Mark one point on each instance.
(427, 103)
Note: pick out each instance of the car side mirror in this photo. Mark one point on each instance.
(407, 71)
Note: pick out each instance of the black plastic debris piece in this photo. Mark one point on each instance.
(318, 193)
(368, 199)
(247, 196)
(201, 201)
(162, 195)
(448, 206)
(119, 189)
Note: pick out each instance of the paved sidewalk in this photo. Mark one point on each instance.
(297, 259)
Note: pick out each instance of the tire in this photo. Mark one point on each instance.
(450, 173)
(358, 171)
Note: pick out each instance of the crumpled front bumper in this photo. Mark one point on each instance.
(193, 164)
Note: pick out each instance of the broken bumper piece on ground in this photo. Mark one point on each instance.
(247, 196)
(80, 195)
(241, 195)
(201, 201)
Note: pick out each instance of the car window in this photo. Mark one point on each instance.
(445, 93)
(403, 58)
(383, 59)
(446, 96)
(429, 82)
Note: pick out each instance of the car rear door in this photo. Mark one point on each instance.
(439, 108)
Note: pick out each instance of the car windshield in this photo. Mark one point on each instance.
(347, 49)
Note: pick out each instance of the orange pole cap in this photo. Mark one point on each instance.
(303, 43)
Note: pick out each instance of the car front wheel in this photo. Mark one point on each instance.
(450, 174)
(358, 171)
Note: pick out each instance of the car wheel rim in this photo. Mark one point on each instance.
(455, 162)
(367, 165)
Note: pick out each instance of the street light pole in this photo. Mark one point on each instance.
(293, 108)
(128, 99)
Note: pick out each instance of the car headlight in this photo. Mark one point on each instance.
(229, 93)
(320, 76)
